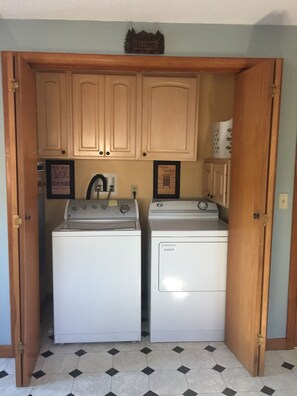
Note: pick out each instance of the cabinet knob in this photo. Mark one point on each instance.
(63, 151)
(107, 153)
(100, 152)
(256, 216)
(144, 154)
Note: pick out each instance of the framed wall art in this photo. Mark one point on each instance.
(166, 179)
(60, 179)
(144, 42)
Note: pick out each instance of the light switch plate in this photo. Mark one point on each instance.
(283, 201)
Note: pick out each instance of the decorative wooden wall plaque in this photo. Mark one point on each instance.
(144, 43)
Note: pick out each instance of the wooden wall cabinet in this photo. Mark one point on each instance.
(110, 116)
(169, 118)
(216, 180)
(52, 115)
(104, 116)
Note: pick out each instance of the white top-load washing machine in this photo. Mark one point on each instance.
(97, 272)
(187, 276)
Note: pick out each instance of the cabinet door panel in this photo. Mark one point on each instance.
(219, 183)
(52, 115)
(88, 114)
(207, 179)
(120, 116)
(169, 128)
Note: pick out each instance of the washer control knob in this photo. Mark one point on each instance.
(159, 205)
(124, 208)
(202, 205)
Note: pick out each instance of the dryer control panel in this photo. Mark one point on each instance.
(183, 208)
(100, 210)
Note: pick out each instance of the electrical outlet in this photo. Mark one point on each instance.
(134, 191)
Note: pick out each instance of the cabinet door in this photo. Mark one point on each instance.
(120, 116)
(207, 179)
(169, 124)
(88, 115)
(219, 183)
(52, 115)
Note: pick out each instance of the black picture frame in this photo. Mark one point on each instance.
(60, 179)
(166, 179)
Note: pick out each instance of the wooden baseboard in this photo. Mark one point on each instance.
(273, 344)
(6, 351)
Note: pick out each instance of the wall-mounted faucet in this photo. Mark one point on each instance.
(92, 181)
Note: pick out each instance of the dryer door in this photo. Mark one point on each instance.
(193, 266)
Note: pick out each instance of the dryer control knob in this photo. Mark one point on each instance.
(202, 205)
(124, 208)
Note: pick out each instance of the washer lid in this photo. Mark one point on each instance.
(98, 226)
(97, 229)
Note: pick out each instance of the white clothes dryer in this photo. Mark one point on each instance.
(187, 275)
(97, 272)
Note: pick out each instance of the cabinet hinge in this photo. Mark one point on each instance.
(20, 347)
(260, 339)
(274, 90)
(14, 85)
(17, 221)
(266, 220)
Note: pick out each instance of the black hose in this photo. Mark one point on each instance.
(94, 178)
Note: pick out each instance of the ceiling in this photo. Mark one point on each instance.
(238, 12)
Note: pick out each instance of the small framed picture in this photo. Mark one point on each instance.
(60, 179)
(166, 179)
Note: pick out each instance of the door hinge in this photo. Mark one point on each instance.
(17, 221)
(274, 90)
(261, 339)
(266, 220)
(20, 347)
(14, 85)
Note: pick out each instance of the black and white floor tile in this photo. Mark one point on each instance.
(149, 369)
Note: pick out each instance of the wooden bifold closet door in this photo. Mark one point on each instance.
(249, 227)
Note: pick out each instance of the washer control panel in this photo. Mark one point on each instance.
(103, 209)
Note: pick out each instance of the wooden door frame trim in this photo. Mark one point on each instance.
(12, 205)
(292, 293)
(270, 206)
(62, 61)
(96, 62)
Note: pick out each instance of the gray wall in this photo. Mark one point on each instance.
(187, 40)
